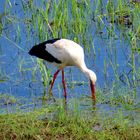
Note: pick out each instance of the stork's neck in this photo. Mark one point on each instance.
(89, 73)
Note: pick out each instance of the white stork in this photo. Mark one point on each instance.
(62, 53)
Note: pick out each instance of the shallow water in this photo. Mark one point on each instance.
(16, 66)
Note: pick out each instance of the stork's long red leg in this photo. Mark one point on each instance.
(64, 84)
(54, 77)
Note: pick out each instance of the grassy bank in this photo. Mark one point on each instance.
(115, 117)
(41, 124)
(111, 119)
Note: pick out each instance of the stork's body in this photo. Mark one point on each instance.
(62, 53)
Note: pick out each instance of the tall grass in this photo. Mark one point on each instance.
(116, 115)
(82, 21)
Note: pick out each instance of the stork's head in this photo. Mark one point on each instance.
(92, 76)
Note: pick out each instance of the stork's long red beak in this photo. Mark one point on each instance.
(93, 90)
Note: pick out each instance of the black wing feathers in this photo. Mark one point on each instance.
(39, 51)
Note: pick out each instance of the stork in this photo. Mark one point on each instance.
(62, 53)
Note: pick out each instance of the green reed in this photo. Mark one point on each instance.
(71, 19)
(45, 74)
(76, 20)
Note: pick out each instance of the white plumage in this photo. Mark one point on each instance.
(62, 53)
(66, 51)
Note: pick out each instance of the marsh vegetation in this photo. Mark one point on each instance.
(109, 32)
